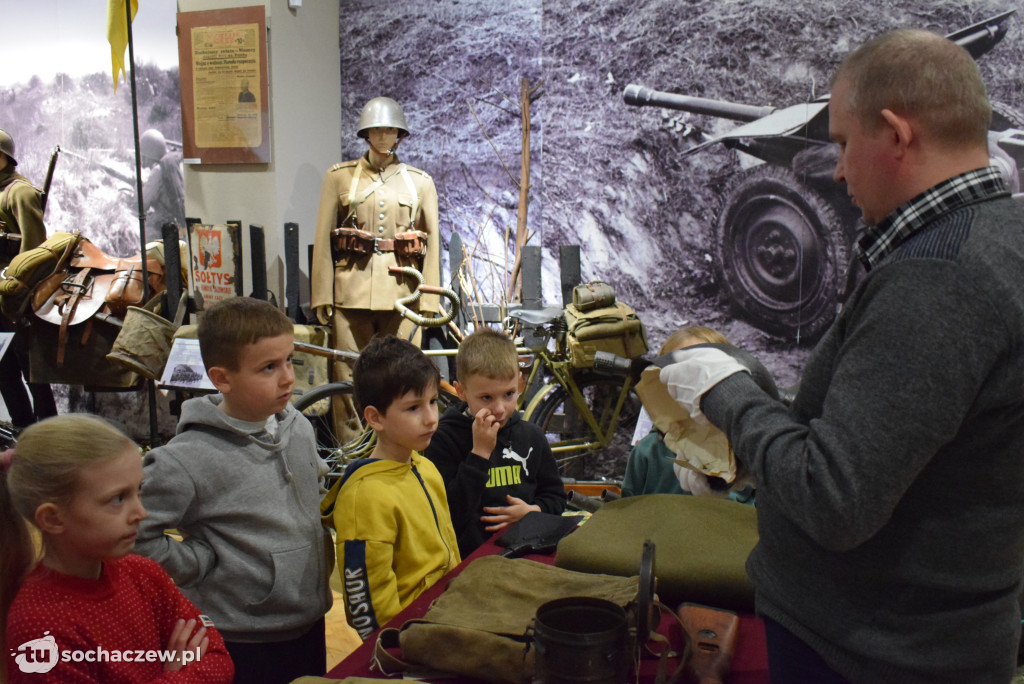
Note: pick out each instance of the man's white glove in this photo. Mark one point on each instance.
(700, 485)
(693, 482)
(695, 370)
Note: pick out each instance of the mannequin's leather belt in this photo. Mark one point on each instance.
(352, 241)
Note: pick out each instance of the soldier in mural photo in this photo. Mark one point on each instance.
(375, 212)
(21, 229)
(163, 193)
(891, 491)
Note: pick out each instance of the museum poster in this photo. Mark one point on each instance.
(214, 262)
(223, 57)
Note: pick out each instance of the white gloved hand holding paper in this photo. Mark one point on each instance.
(690, 481)
(694, 371)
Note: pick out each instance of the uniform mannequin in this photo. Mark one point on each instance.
(375, 212)
(21, 213)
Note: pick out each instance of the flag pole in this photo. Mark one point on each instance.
(150, 384)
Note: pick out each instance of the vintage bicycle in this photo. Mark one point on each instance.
(588, 414)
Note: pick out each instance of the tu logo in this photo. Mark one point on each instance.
(38, 655)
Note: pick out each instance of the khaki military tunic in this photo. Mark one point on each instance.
(22, 203)
(394, 199)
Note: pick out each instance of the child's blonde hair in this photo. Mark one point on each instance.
(487, 352)
(43, 468)
(693, 334)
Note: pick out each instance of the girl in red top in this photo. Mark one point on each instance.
(89, 610)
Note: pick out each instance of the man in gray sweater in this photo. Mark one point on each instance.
(891, 492)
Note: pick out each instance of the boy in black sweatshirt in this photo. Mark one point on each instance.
(496, 466)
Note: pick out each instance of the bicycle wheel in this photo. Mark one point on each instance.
(566, 429)
(336, 453)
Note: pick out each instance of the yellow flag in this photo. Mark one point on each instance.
(117, 33)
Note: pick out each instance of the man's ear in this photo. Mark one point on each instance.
(459, 390)
(49, 518)
(373, 417)
(900, 129)
(219, 377)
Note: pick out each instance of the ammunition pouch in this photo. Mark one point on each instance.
(348, 242)
(351, 242)
(411, 244)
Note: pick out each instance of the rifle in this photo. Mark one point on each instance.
(108, 169)
(49, 179)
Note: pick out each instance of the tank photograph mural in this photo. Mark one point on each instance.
(784, 236)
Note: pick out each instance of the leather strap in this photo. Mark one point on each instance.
(354, 185)
(354, 199)
(662, 675)
(78, 287)
(412, 191)
(383, 660)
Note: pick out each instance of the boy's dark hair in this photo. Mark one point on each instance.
(487, 352)
(388, 368)
(230, 324)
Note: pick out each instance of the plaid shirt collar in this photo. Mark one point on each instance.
(882, 240)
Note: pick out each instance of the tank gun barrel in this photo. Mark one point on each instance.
(981, 37)
(641, 96)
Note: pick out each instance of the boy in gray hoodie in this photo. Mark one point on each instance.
(241, 482)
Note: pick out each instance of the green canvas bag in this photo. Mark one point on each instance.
(478, 626)
(31, 267)
(616, 329)
(703, 544)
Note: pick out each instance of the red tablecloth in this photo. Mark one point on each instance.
(749, 664)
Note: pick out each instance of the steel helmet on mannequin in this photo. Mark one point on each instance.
(382, 112)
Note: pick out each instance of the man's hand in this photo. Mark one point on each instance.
(485, 433)
(501, 517)
(693, 372)
(183, 640)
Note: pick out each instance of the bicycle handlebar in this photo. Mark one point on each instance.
(333, 354)
(425, 321)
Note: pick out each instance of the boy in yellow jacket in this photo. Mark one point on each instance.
(394, 533)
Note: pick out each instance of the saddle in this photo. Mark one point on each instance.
(92, 285)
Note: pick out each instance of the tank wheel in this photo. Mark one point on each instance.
(781, 251)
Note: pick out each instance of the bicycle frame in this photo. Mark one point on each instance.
(562, 372)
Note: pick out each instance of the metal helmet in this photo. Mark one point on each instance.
(382, 112)
(7, 146)
(152, 145)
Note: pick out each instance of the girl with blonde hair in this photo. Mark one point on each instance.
(89, 609)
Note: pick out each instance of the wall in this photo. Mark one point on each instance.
(305, 109)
